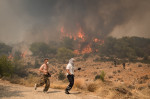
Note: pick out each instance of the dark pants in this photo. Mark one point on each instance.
(71, 82)
(44, 80)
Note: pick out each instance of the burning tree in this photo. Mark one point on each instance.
(83, 42)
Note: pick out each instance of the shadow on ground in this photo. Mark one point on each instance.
(5, 91)
(49, 91)
(53, 91)
(75, 93)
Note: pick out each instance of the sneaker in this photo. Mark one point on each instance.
(67, 92)
(35, 86)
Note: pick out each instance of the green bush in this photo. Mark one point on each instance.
(61, 76)
(6, 67)
(5, 49)
(97, 77)
(42, 49)
(19, 68)
(125, 47)
(64, 54)
(68, 43)
(101, 76)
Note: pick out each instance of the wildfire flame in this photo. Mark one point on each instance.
(87, 49)
(23, 55)
(80, 35)
(96, 40)
(10, 56)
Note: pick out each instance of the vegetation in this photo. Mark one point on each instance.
(9, 68)
(42, 49)
(5, 49)
(101, 76)
(92, 87)
(17, 55)
(61, 76)
(36, 64)
(6, 67)
(85, 56)
(68, 43)
(19, 68)
(64, 54)
(126, 47)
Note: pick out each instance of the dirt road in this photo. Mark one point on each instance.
(13, 91)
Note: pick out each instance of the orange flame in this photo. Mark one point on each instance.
(87, 49)
(76, 52)
(62, 29)
(23, 55)
(80, 35)
(10, 56)
(96, 40)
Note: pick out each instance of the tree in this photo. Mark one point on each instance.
(42, 49)
(68, 43)
(17, 55)
(64, 54)
(36, 64)
(61, 76)
(126, 47)
(6, 66)
(4, 49)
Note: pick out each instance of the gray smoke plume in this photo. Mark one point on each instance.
(41, 20)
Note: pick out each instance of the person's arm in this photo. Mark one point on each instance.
(77, 69)
(67, 70)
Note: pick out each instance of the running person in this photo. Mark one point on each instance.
(70, 75)
(45, 76)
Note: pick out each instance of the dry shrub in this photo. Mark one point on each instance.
(58, 85)
(79, 84)
(92, 87)
(101, 76)
(14, 79)
(29, 81)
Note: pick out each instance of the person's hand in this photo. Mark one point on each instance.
(79, 68)
(49, 75)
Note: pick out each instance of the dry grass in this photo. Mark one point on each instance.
(79, 84)
(92, 87)
(58, 85)
(29, 81)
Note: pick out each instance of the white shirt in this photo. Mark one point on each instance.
(71, 68)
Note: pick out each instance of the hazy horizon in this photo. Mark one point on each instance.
(41, 20)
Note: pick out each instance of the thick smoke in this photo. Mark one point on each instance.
(41, 20)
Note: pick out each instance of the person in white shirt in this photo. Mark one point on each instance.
(70, 75)
(45, 76)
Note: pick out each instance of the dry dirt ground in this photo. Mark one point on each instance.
(14, 91)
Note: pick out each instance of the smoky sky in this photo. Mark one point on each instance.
(41, 20)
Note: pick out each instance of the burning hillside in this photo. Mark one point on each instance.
(85, 43)
(20, 50)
